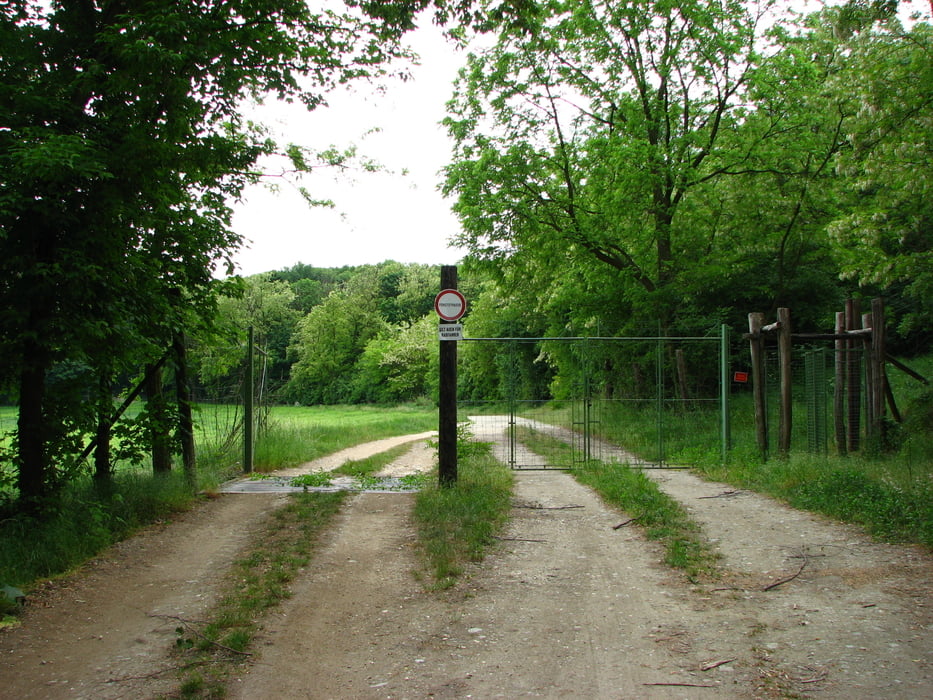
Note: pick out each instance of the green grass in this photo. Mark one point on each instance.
(87, 521)
(258, 581)
(300, 434)
(458, 523)
(889, 501)
(369, 465)
(661, 518)
(886, 488)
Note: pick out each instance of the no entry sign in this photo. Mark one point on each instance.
(449, 304)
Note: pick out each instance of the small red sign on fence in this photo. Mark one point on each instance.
(740, 377)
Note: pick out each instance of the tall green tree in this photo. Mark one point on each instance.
(582, 132)
(122, 144)
(885, 237)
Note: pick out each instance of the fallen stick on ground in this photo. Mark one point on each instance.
(685, 685)
(803, 566)
(630, 520)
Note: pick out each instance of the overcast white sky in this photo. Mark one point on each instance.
(378, 216)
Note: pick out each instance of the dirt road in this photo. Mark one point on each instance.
(566, 606)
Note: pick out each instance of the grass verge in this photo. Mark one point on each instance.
(369, 465)
(457, 524)
(661, 518)
(856, 490)
(259, 580)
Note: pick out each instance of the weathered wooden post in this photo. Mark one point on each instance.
(878, 369)
(839, 388)
(869, 372)
(785, 346)
(681, 363)
(447, 400)
(853, 378)
(183, 396)
(248, 405)
(755, 320)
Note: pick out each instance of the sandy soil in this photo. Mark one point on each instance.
(566, 606)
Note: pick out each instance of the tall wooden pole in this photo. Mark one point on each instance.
(854, 376)
(248, 405)
(878, 369)
(785, 346)
(755, 321)
(839, 388)
(447, 400)
(183, 395)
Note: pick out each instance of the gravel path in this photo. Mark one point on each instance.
(565, 606)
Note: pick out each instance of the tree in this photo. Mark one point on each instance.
(122, 144)
(885, 237)
(331, 338)
(583, 132)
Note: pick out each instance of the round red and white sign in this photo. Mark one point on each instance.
(450, 304)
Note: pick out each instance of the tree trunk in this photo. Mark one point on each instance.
(32, 477)
(159, 422)
(102, 471)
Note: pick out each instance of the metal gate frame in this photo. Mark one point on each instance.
(586, 409)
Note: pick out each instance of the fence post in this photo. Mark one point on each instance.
(854, 379)
(785, 347)
(248, 405)
(878, 369)
(724, 387)
(839, 388)
(755, 321)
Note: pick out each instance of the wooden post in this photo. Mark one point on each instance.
(183, 395)
(877, 361)
(158, 415)
(248, 405)
(447, 399)
(755, 321)
(787, 381)
(853, 377)
(839, 389)
(869, 371)
(681, 373)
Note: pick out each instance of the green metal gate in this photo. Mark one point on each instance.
(584, 390)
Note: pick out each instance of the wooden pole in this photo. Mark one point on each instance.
(877, 353)
(839, 389)
(447, 399)
(158, 428)
(681, 373)
(784, 360)
(183, 395)
(755, 321)
(724, 392)
(248, 405)
(853, 378)
(871, 418)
